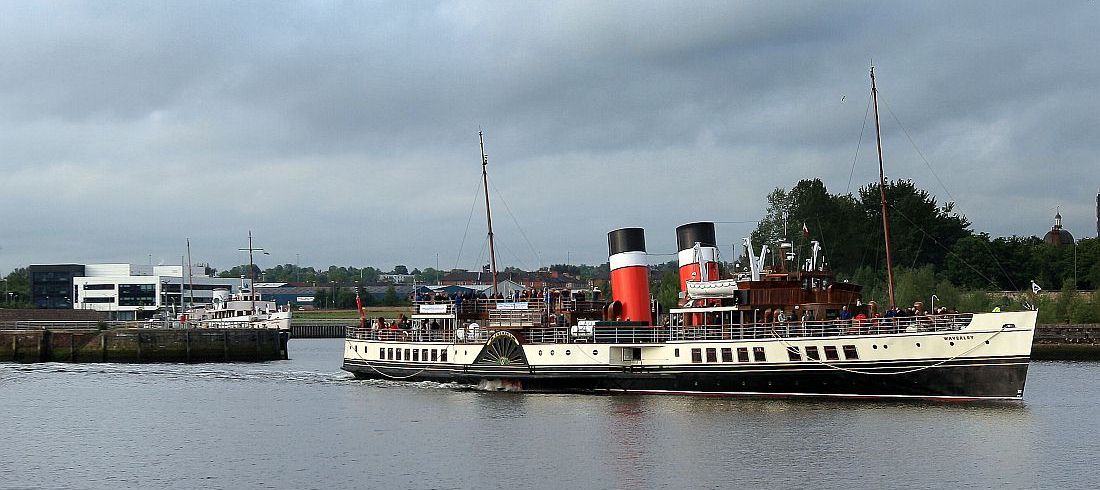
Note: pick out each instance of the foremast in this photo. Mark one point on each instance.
(882, 195)
(488, 212)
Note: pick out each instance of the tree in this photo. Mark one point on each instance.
(18, 284)
(850, 228)
(390, 298)
(400, 269)
(321, 298)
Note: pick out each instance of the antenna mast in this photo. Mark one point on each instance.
(488, 213)
(882, 195)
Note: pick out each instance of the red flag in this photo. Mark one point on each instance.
(359, 305)
(805, 231)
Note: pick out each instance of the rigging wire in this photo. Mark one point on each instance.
(948, 250)
(538, 258)
(859, 144)
(949, 195)
(911, 142)
(468, 220)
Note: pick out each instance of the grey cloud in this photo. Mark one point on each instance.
(346, 131)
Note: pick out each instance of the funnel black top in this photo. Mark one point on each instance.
(702, 232)
(626, 240)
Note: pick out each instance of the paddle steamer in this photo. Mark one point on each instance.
(778, 330)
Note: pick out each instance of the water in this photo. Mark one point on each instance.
(303, 423)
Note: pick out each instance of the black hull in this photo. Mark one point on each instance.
(963, 379)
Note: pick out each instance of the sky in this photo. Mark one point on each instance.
(347, 132)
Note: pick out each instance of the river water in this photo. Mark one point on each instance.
(303, 423)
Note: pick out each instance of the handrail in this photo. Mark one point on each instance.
(667, 333)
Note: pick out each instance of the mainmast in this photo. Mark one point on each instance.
(488, 213)
(252, 269)
(882, 195)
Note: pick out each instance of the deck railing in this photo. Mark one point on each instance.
(643, 335)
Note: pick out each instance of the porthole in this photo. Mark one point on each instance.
(884, 346)
(551, 352)
(918, 344)
(874, 346)
(595, 352)
(567, 351)
(540, 352)
(987, 342)
(951, 343)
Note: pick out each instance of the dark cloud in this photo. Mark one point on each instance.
(346, 131)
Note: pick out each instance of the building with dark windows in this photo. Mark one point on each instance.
(52, 285)
(137, 292)
(126, 291)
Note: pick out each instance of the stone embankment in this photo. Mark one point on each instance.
(1067, 342)
(188, 345)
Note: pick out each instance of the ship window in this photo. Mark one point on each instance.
(811, 353)
(443, 355)
(758, 354)
(382, 354)
(407, 354)
(416, 354)
(676, 352)
(389, 353)
(850, 352)
(435, 355)
(830, 353)
(424, 355)
(712, 354)
(742, 354)
(696, 355)
(727, 354)
(793, 353)
(398, 354)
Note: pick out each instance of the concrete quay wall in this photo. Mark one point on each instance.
(1067, 342)
(142, 345)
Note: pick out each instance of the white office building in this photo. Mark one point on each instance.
(135, 292)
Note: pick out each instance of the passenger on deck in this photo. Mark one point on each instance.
(845, 313)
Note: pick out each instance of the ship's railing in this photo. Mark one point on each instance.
(642, 335)
(468, 306)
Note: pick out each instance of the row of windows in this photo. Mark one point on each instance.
(416, 355)
(794, 353)
(727, 354)
(170, 288)
(831, 354)
(98, 300)
(99, 287)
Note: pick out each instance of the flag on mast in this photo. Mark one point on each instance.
(359, 306)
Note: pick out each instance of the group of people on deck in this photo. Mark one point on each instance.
(553, 296)
(402, 326)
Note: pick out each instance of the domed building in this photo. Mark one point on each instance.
(1057, 236)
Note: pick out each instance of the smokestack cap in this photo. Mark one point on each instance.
(702, 232)
(626, 240)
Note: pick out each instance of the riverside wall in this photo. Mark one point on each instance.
(189, 345)
(1067, 342)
